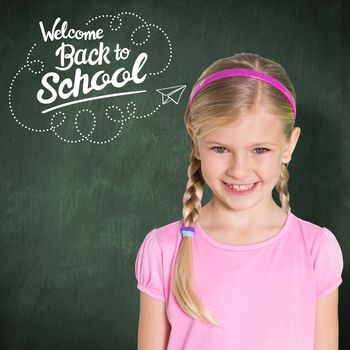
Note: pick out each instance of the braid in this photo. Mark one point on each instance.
(183, 282)
(194, 192)
(282, 187)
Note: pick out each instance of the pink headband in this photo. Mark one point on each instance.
(248, 73)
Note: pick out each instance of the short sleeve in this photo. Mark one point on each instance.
(149, 267)
(328, 264)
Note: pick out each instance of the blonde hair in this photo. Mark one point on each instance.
(216, 105)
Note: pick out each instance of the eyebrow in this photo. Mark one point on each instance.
(254, 144)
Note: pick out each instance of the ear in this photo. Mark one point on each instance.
(195, 143)
(196, 153)
(290, 146)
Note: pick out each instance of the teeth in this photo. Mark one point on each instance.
(241, 187)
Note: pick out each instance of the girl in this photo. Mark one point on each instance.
(240, 272)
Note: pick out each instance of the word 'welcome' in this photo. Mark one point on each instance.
(63, 33)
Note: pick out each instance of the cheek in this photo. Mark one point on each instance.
(211, 168)
(208, 169)
(271, 169)
(214, 163)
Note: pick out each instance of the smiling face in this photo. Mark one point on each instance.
(248, 151)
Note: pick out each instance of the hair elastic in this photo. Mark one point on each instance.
(187, 231)
(235, 72)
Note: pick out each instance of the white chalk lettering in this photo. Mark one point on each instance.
(69, 56)
(58, 34)
(82, 82)
(121, 53)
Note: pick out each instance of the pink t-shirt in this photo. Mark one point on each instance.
(263, 294)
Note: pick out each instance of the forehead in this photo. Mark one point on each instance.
(248, 129)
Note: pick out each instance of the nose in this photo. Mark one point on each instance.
(239, 167)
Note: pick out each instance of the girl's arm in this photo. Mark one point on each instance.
(154, 327)
(327, 325)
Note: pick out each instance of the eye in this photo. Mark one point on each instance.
(261, 148)
(219, 148)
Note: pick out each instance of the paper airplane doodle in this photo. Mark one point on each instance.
(172, 93)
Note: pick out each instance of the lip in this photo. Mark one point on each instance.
(240, 193)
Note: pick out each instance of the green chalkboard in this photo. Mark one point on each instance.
(87, 170)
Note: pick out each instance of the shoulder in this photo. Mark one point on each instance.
(312, 234)
(164, 239)
(169, 235)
